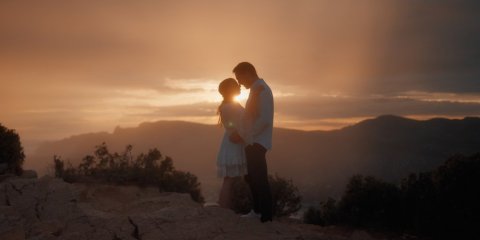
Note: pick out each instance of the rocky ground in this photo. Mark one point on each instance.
(49, 208)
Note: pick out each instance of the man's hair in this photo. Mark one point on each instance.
(245, 67)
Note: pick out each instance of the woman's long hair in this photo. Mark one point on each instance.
(225, 88)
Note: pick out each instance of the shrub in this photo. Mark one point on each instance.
(326, 214)
(369, 202)
(313, 216)
(11, 152)
(443, 203)
(285, 196)
(151, 169)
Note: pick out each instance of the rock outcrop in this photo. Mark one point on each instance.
(49, 208)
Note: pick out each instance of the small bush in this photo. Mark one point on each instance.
(285, 196)
(151, 169)
(327, 214)
(313, 216)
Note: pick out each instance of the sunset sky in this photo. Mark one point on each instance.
(71, 67)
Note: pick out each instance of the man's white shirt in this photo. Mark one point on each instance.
(258, 117)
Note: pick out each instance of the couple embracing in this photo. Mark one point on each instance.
(248, 136)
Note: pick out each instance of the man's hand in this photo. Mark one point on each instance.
(236, 138)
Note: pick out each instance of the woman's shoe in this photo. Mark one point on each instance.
(251, 214)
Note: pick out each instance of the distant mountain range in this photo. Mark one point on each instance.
(319, 162)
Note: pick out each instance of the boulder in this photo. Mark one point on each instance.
(29, 174)
(49, 208)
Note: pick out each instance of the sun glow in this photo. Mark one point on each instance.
(243, 96)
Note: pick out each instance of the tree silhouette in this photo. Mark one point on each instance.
(442, 204)
(11, 152)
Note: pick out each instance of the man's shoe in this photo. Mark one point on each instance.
(251, 214)
(265, 219)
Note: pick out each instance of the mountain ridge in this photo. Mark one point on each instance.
(376, 119)
(319, 162)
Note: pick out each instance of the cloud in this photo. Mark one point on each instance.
(357, 107)
(373, 47)
(200, 110)
(105, 63)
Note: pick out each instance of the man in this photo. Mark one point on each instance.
(257, 136)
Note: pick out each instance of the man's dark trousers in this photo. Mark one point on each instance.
(257, 179)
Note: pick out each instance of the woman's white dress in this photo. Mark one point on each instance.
(231, 156)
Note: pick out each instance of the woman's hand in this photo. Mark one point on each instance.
(236, 138)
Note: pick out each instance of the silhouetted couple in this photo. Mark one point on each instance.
(248, 136)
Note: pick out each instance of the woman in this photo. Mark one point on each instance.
(231, 161)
